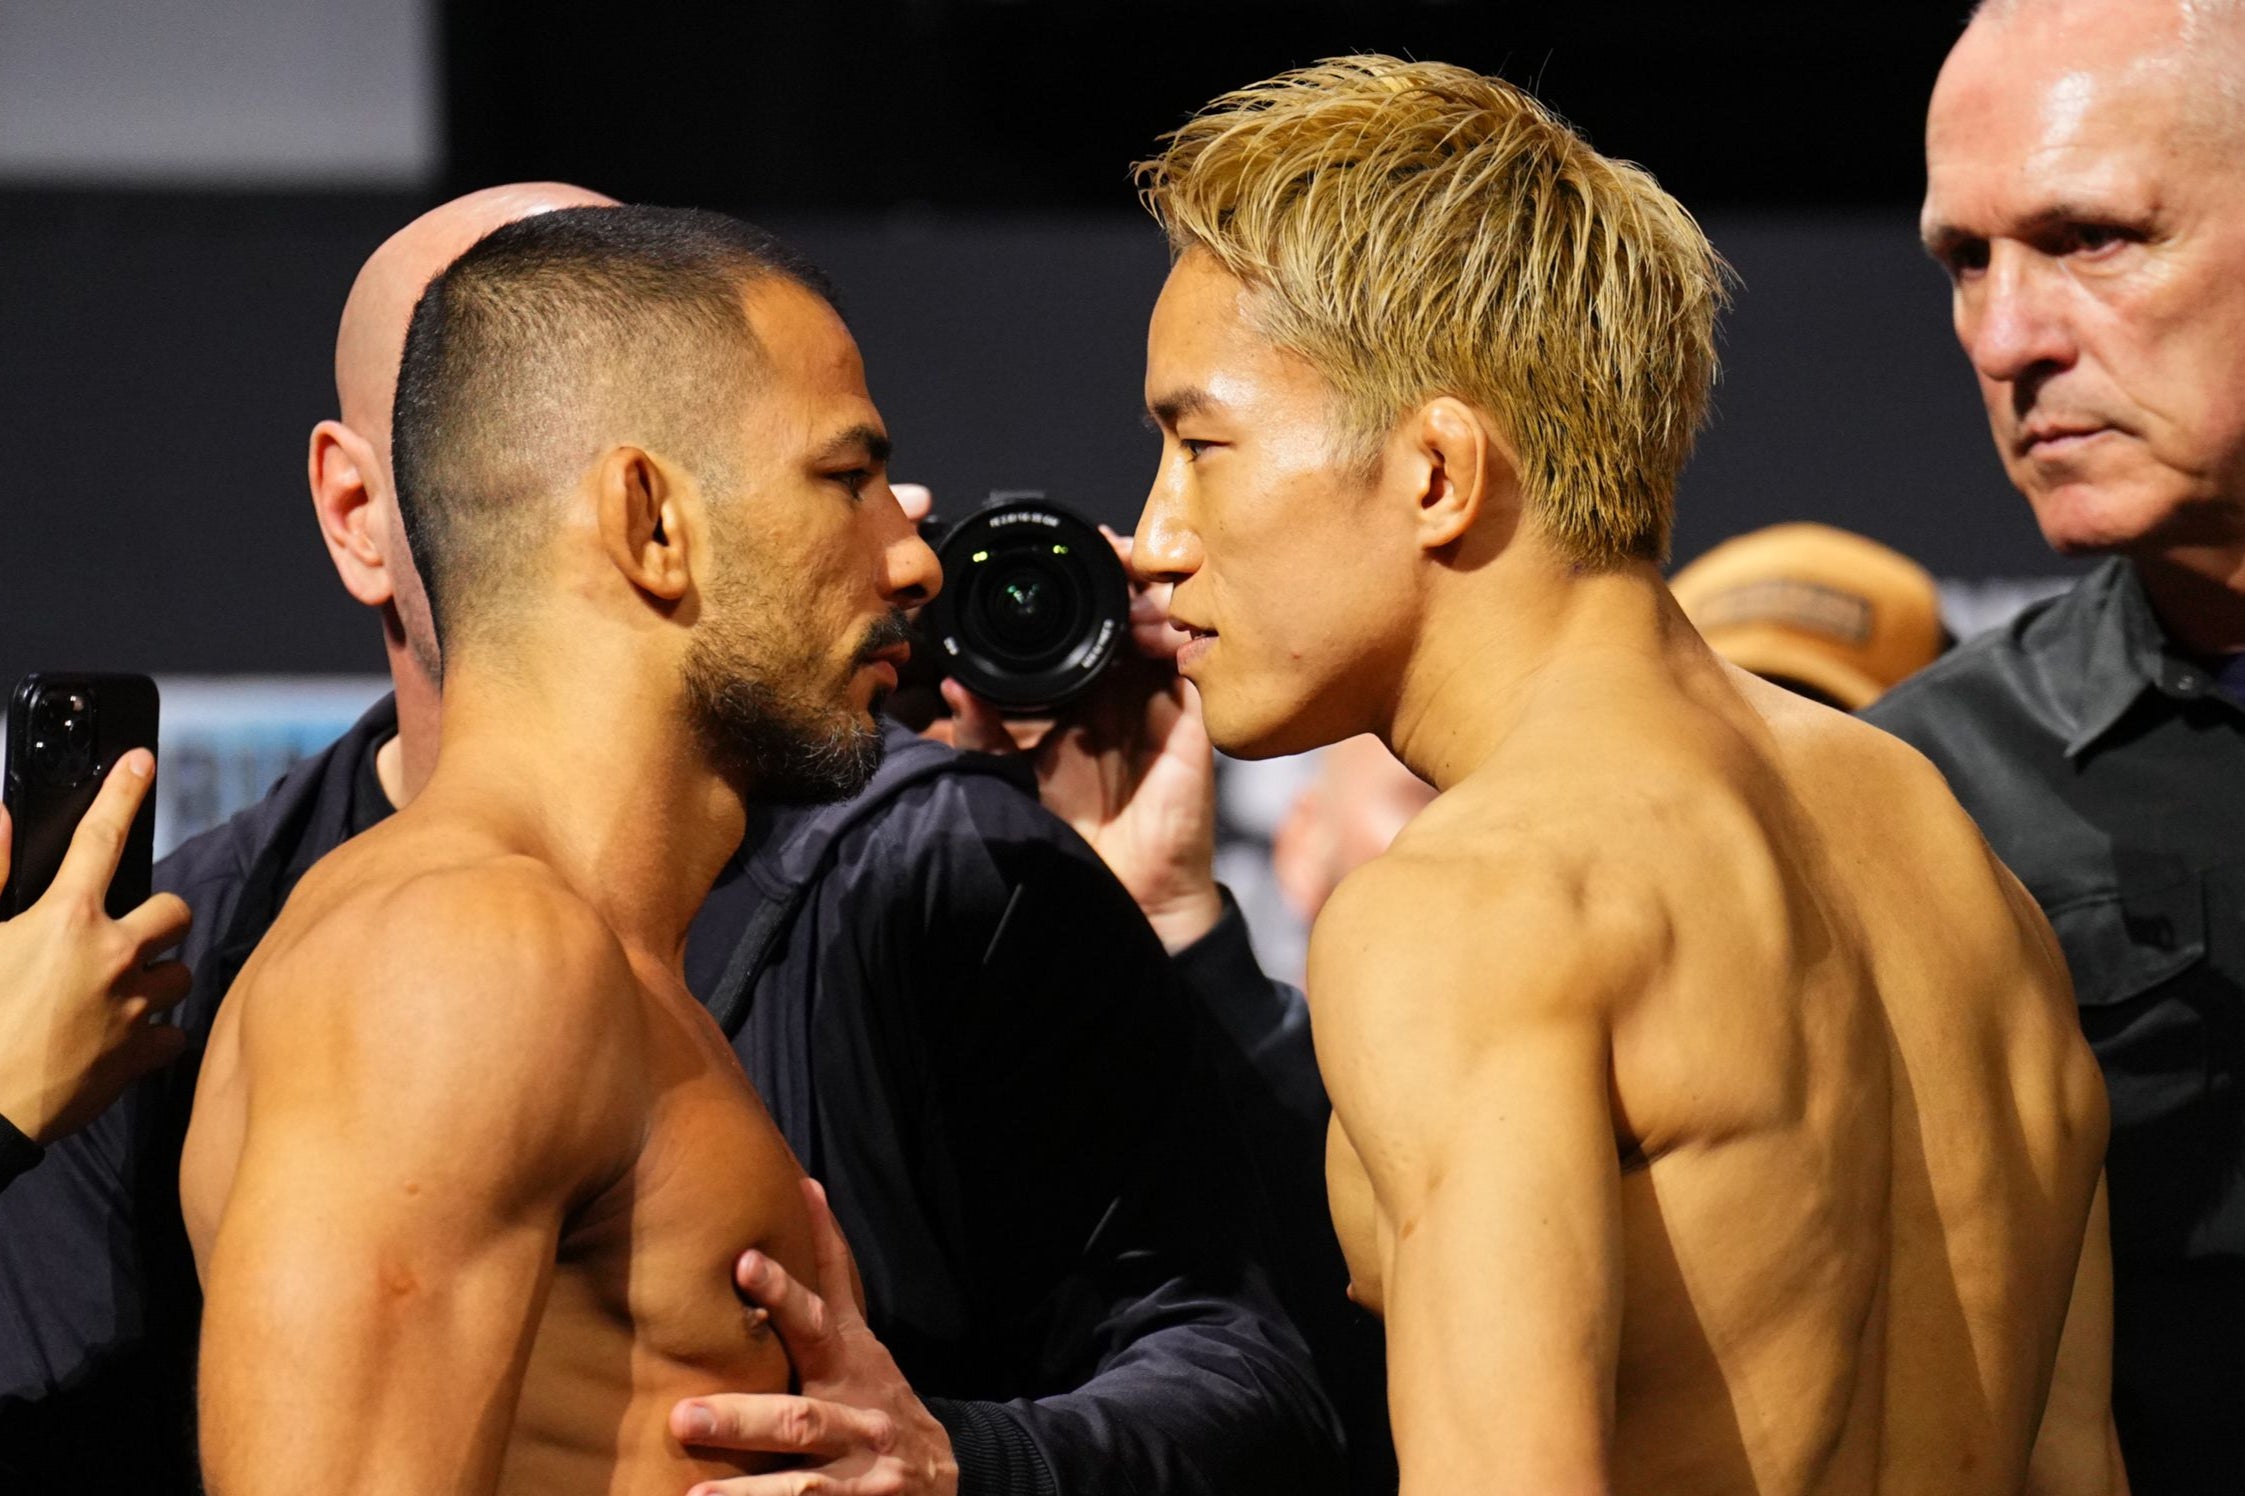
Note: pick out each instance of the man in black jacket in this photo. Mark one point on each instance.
(964, 1027)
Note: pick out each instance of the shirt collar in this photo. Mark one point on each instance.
(2125, 654)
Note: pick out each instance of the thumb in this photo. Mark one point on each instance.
(976, 725)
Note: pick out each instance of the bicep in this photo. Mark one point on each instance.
(1482, 1118)
(413, 1138)
(360, 1332)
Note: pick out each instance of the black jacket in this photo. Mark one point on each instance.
(965, 1029)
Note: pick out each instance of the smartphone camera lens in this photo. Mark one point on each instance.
(62, 737)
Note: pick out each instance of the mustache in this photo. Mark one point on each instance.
(891, 631)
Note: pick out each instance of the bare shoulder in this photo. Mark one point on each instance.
(491, 965)
(1895, 808)
(1465, 930)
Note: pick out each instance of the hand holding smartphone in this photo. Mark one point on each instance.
(80, 992)
(65, 733)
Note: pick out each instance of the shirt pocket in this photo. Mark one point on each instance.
(2120, 946)
(2163, 1022)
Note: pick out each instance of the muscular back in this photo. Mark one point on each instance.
(465, 1183)
(1766, 1082)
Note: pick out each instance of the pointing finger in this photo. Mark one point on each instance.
(99, 841)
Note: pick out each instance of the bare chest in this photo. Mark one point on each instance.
(642, 1309)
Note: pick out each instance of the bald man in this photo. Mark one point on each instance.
(2085, 192)
(352, 488)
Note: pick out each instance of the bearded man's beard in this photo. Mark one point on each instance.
(783, 746)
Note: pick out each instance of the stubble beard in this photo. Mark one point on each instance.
(785, 746)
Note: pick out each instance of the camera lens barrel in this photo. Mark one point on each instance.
(1034, 604)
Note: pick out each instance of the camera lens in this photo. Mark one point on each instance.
(1034, 604)
(61, 746)
(1029, 612)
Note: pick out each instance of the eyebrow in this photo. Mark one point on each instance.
(1946, 236)
(864, 437)
(1171, 408)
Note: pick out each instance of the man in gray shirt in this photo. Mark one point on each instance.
(2085, 194)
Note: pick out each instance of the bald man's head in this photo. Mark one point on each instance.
(2083, 192)
(2199, 43)
(372, 336)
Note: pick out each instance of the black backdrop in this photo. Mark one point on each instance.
(958, 166)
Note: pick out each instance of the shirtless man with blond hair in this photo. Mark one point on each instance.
(1710, 1114)
(470, 1167)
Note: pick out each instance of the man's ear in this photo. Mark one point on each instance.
(643, 527)
(343, 471)
(1460, 468)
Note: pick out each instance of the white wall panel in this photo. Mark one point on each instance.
(219, 92)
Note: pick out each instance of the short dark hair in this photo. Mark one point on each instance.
(552, 337)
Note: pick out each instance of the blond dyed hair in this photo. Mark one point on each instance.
(1416, 230)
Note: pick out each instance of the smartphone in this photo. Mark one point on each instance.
(65, 733)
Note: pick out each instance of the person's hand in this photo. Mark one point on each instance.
(1130, 767)
(77, 992)
(857, 1429)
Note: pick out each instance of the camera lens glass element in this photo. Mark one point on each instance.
(61, 746)
(1033, 607)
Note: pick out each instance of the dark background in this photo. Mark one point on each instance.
(961, 168)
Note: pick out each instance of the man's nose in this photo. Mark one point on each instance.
(1164, 548)
(2015, 322)
(910, 573)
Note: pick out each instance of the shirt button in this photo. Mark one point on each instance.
(2189, 682)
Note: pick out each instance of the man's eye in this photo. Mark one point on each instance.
(1966, 258)
(1193, 447)
(854, 480)
(2089, 238)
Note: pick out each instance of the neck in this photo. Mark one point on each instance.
(603, 785)
(405, 762)
(1496, 633)
(2199, 594)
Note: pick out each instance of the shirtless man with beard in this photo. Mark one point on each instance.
(470, 1167)
(1710, 1113)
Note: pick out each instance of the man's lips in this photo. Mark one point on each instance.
(2050, 437)
(1197, 643)
(889, 662)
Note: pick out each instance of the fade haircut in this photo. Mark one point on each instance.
(548, 341)
(1413, 229)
